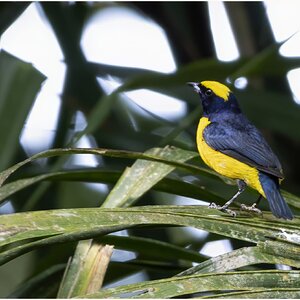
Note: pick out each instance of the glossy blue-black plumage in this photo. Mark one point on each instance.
(214, 104)
(231, 133)
(278, 206)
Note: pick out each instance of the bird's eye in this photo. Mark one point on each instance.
(208, 93)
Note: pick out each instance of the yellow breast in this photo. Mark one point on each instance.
(224, 164)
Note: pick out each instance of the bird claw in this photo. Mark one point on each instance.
(251, 208)
(213, 205)
(222, 208)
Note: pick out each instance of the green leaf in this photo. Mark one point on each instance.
(274, 293)
(143, 175)
(86, 271)
(239, 258)
(19, 85)
(133, 183)
(53, 226)
(167, 184)
(40, 285)
(13, 187)
(278, 248)
(195, 71)
(172, 186)
(261, 64)
(152, 248)
(105, 152)
(211, 282)
(291, 199)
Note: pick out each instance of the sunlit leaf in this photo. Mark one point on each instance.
(211, 282)
(134, 182)
(258, 293)
(240, 258)
(75, 224)
(139, 178)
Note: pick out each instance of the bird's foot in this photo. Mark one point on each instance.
(251, 208)
(222, 208)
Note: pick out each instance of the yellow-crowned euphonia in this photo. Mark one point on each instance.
(232, 146)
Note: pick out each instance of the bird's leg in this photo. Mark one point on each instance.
(241, 187)
(253, 207)
(258, 200)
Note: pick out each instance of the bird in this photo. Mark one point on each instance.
(232, 146)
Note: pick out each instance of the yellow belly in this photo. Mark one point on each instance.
(224, 164)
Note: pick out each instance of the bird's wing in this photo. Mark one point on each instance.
(245, 143)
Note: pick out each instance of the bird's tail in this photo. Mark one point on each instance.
(277, 204)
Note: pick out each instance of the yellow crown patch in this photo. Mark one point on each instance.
(218, 88)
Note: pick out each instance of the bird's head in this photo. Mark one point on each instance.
(215, 97)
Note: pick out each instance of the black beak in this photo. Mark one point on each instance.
(195, 85)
